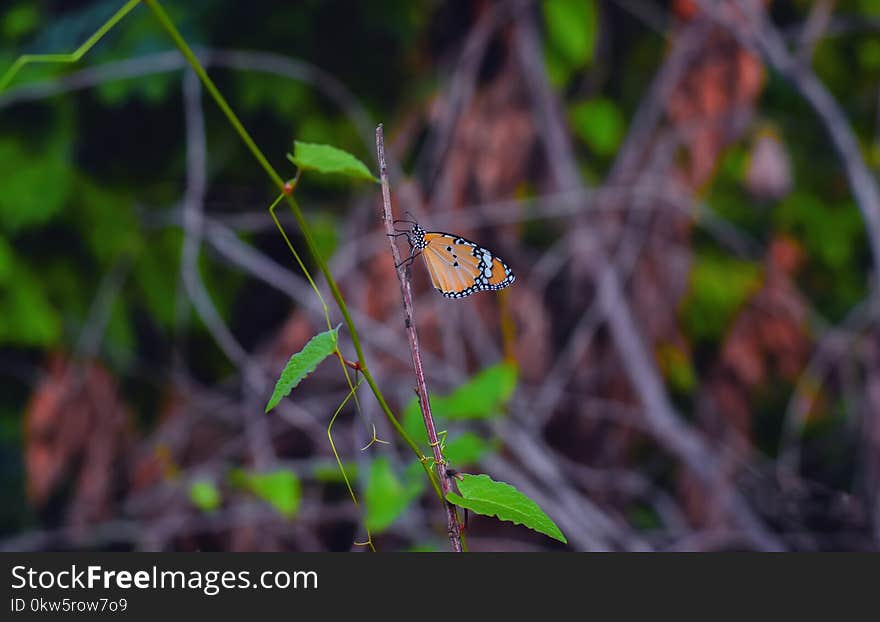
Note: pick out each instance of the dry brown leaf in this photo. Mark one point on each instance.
(76, 431)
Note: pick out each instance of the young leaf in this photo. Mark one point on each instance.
(481, 397)
(386, 497)
(483, 495)
(302, 364)
(204, 495)
(281, 489)
(327, 159)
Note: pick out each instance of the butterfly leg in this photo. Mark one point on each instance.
(412, 255)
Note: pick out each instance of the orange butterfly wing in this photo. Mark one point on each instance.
(458, 267)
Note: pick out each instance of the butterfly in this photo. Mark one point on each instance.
(458, 267)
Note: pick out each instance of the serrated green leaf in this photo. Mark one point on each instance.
(303, 363)
(386, 496)
(481, 397)
(204, 495)
(328, 159)
(483, 495)
(281, 489)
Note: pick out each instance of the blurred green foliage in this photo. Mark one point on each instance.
(572, 31)
(481, 397)
(719, 287)
(281, 488)
(330, 473)
(205, 495)
(599, 123)
(90, 183)
(386, 496)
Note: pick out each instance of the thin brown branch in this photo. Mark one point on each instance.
(413, 338)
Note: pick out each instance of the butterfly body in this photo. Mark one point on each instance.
(458, 267)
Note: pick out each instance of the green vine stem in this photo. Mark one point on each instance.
(180, 42)
(27, 59)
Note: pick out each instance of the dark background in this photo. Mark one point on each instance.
(693, 326)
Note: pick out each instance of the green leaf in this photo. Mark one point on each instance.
(481, 397)
(599, 123)
(35, 183)
(467, 449)
(414, 424)
(204, 495)
(303, 363)
(20, 20)
(386, 496)
(483, 495)
(327, 159)
(27, 317)
(281, 489)
(571, 36)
